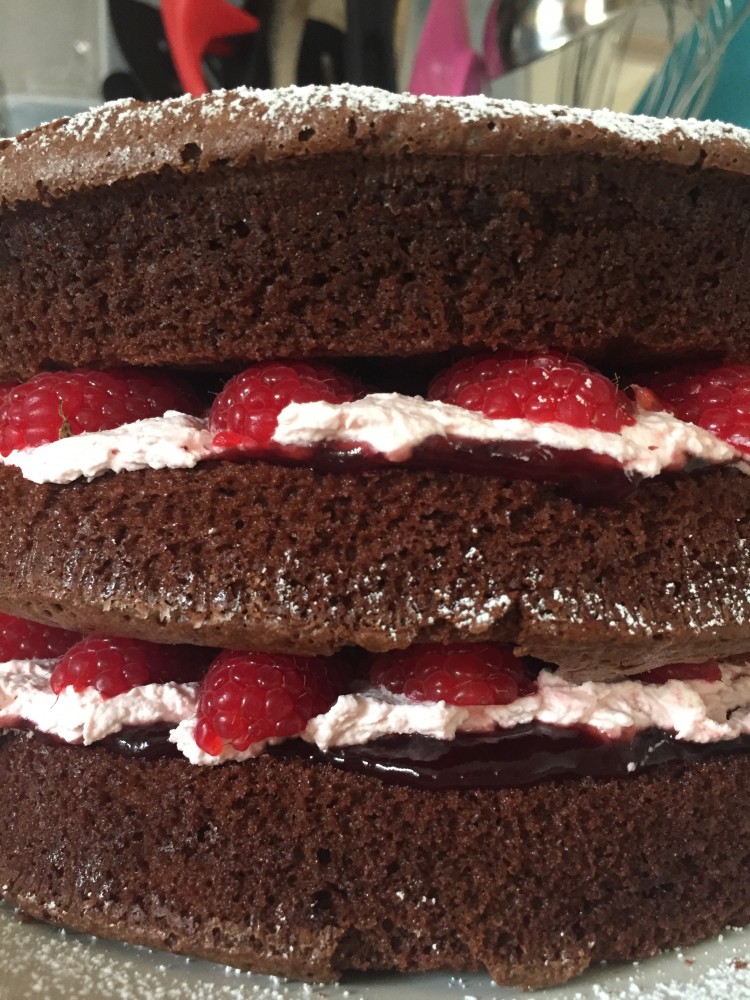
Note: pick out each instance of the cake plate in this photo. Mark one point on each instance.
(37, 960)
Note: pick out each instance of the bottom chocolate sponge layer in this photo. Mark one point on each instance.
(298, 869)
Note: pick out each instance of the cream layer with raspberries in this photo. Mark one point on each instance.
(61, 427)
(388, 424)
(696, 710)
(233, 705)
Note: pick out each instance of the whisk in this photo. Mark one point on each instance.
(683, 84)
(577, 51)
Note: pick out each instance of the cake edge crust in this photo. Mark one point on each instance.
(129, 138)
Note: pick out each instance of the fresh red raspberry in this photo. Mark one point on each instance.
(244, 414)
(247, 697)
(113, 666)
(717, 399)
(24, 640)
(708, 671)
(5, 388)
(55, 405)
(459, 674)
(538, 387)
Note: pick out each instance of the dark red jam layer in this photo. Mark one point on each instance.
(581, 474)
(510, 758)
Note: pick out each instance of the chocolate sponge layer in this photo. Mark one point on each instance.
(303, 870)
(611, 260)
(289, 559)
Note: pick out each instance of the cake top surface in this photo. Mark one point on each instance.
(127, 139)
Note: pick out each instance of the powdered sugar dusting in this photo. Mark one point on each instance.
(38, 961)
(473, 615)
(299, 107)
(128, 139)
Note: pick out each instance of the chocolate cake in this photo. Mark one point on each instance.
(510, 713)
(599, 590)
(470, 225)
(512, 880)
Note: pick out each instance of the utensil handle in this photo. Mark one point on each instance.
(191, 26)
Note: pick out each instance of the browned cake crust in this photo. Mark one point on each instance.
(308, 871)
(126, 139)
(495, 226)
(266, 557)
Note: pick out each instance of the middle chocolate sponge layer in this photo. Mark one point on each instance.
(297, 560)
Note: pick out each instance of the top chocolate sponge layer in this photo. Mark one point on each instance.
(345, 221)
(127, 139)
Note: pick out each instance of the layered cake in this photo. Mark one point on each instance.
(375, 581)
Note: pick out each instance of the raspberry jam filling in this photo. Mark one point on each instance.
(471, 711)
(544, 417)
(512, 758)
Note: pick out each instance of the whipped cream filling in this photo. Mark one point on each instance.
(174, 441)
(85, 716)
(696, 711)
(394, 425)
(388, 423)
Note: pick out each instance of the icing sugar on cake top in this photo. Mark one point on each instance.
(126, 139)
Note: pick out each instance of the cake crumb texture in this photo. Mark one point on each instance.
(608, 257)
(286, 559)
(290, 857)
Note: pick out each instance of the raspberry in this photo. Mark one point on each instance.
(538, 387)
(5, 388)
(24, 640)
(244, 414)
(54, 405)
(717, 399)
(460, 674)
(247, 697)
(113, 666)
(708, 671)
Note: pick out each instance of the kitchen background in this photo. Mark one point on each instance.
(664, 57)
